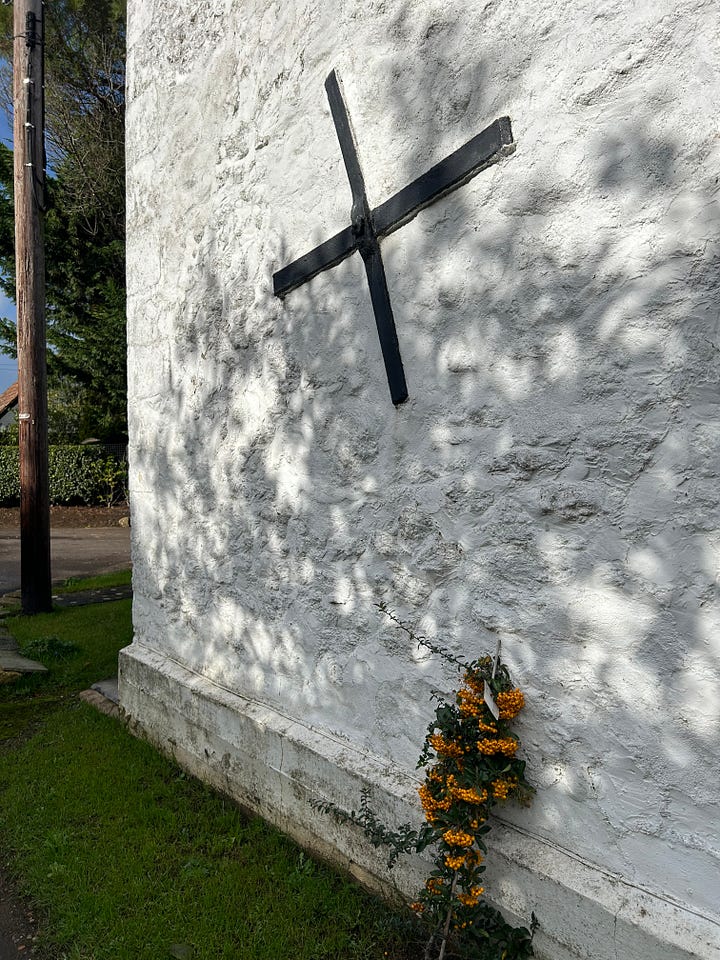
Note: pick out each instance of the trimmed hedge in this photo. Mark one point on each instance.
(9, 476)
(77, 475)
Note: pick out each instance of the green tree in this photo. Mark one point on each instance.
(85, 220)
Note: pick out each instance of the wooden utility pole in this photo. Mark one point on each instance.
(29, 181)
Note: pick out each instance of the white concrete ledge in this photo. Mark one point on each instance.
(274, 765)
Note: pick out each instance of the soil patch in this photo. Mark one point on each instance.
(18, 928)
(75, 517)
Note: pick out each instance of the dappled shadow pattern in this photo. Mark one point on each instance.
(552, 479)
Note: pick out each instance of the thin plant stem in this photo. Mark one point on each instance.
(446, 931)
(428, 945)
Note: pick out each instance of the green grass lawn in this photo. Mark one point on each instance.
(125, 857)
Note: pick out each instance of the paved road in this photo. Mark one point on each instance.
(74, 553)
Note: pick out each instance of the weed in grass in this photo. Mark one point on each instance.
(50, 648)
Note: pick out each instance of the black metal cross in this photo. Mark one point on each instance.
(368, 227)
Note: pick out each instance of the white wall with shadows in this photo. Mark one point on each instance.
(552, 479)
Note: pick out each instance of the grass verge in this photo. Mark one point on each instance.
(127, 858)
(120, 578)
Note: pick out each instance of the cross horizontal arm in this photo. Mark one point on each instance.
(483, 150)
(328, 254)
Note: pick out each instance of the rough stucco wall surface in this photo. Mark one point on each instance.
(552, 479)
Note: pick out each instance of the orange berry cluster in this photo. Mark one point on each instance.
(510, 703)
(476, 684)
(454, 862)
(504, 745)
(486, 727)
(471, 705)
(468, 858)
(471, 899)
(501, 788)
(430, 805)
(445, 748)
(434, 885)
(469, 795)
(458, 838)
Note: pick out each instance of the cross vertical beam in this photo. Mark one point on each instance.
(367, 244)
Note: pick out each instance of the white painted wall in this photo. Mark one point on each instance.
(552, 479)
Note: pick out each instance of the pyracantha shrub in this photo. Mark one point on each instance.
(471, 763)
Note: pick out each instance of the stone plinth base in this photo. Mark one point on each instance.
(274, 765)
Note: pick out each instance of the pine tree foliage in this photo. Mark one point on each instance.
(85, 220)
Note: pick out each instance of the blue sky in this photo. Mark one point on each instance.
(8, 366)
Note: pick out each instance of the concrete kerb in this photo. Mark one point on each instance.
(12, 663)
